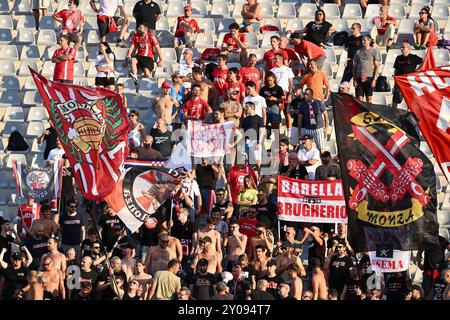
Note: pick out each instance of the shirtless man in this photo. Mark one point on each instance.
(158, 256)
(58, 259)
(128, 262)
(261, 238)
(319, 284)
(207, 90)
(252, 14)
(174, 244)
(259, 265)
(286, 258)
(237, 243)
(143, 278)
(204, 251)
(296, 282)
(51, 279)
(163, 105)
(210, 232)
(146, 151)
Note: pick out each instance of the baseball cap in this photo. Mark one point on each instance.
(16, 256)
(296, 35)
(166, 85)
(203, 262)
(271, 263)
(344, 84)
(187, 7)
(306, 137)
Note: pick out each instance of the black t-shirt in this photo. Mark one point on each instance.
(316, 251)
(50, 141)
(396, 288)
(127, 297)
(205, 177)
(299, 172)
(352, 287)
(295, 106)
(223, 207)
(5, 242)
(339, 272)
(317, 32)
(67, 178)
(439, 286)
(146, 14)
(86, 248)
(323, 173)
(406, 64)
(71, 229)
(14, 280)
(435, 256)
(37, 249)
(262, 295)
(272, 284)
(253, 123)
(108, 293)
(267, 214)
(276, 91)
(162, 142)
(78, 297)
(339, 240)
(239, 288)
(87, 277)
(364, 265)
(353, 44)
(183, 232)
(203, 286)
(110, 225)
(149, 237)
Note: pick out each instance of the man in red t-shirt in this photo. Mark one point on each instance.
(185, 27)
(383, 28)
(26, 215)
(268, 58)
(72, 21)
(236, 179)
(220, 75)
(235, 43)
(145, 44)
(250, 72)
(308, 51)
(64, 58)
(196, 109)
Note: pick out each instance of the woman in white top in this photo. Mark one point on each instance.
(105, 67)
(137, 130)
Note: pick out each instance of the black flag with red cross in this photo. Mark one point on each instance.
(389, 184)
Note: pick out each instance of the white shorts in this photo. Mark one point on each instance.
(40, 4)
(253, 154)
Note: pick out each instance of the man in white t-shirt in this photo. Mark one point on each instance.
(309, 156)
(185, 67)
(191, 188)
(251, 95)
(107, 21)
(283, 74)
(55, 154)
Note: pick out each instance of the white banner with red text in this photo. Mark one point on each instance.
(208, 140)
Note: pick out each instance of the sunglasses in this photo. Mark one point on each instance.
(259, 231)
(72, 207)
(221, 194)
(164, 241)
(339, 247)
(95, 247)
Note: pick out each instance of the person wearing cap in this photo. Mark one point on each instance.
(272, 278)
(186, 26)
(158, 256)
(203, 282)
(164, 105)
(204, 251)
(26, 215)
(15, 274)
(353, 44)
(313, 121)
(147, 12)
(196, 109)
(235, 44)
(308, 50)
(344, 87)
(328, 170)
(186, 64)
(366, 66)
(222, 292)
(145, 44)
(252, 14)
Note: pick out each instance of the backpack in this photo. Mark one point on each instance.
(340, 38)
(382, 84)
(16, 142)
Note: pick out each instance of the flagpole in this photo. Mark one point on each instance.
(103, 248)
(171, 214)
(279, 231)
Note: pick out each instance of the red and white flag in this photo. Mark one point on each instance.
(427, 94)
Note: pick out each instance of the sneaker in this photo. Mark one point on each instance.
(121, 43)
(417, 47)
(133, 76)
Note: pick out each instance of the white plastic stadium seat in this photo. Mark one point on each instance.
(37, 114)
(237, 10)
(48, 23)
(307, 10)
(274, 22)
(6, 21)
(32, 98)
(4, 7)
(14, 114)
(24, 71)
(11, 126)
(15, 157)
(373, 10)
(22, 7)
(48, 69)
(204, 40)
(175, 9)
(352, 11)
(286, 11)
(46, 37)
(440, 11)
(30, 53)
(397, 10)
(294, 25)
(207, 24)
(220, 9)
(199, 9)
(7, 68)
(25, 36)
(331, 10)
(266, 10)
(26, 22)
(9, 52)
(35, 129)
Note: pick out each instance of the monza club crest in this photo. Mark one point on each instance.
(37, 180)
(389, 186)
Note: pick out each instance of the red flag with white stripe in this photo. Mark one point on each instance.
(93, 128)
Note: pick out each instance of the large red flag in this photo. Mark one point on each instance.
(428, 62)
(93, 128)
(427, 94)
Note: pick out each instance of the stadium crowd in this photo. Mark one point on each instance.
(224, 241)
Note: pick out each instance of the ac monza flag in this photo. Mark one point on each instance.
(93, 128)
(38, 183)
(389, 184)
(139, 193)
(427, 94)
